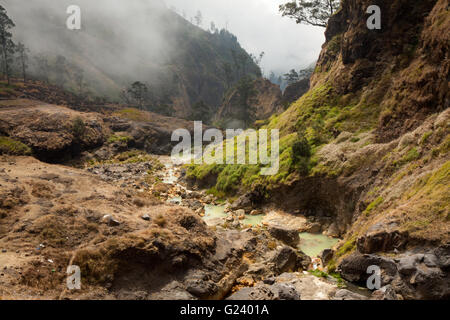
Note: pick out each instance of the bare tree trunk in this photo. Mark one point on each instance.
(5, 58)
(23, 68)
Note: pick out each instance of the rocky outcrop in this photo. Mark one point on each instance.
(267, 101)
(408, 55)
(294, 91)
(287, 235)
(290, 286)
(419, 274)
(53, 132)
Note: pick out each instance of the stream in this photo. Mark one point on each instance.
(216, 214)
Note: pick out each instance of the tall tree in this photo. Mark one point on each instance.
(200, 112)
(292, 76)
(213, 27)
(60, 70)
(79, 79)
(23, 58)
(312, 12)
(198, 18)
(228, 71)
(43, 67)
(7, 45)
(247, 92)
(139, 93)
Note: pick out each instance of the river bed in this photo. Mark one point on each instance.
(310, 244)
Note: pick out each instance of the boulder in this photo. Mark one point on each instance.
(288, 235)
(326, 256)
(385, 293)
(354, 268)
(344, 294)
(315, 228)
(285, 259)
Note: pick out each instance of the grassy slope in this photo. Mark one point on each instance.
(411, 187)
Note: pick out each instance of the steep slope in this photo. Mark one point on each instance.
(265, 102)
(182, 64)
(376, 124)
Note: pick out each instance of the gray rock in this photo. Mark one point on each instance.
(354, 267)
(258, 292)
(385, 293)
(146, 217)
(288, 235)
(109, 220)
(201, 288)
(285, 259)
(285, 292)
(315, 228)
(344, 294)
(326, 256)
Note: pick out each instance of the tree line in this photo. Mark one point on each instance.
(17, 60)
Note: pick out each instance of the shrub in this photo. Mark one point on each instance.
(160, 220)
(13, 147)
(78, 128)
(372, 206)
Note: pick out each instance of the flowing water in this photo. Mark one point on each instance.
(310, 244)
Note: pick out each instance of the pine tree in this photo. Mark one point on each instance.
(7, 45)
(23, 58)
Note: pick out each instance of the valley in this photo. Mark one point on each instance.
(89, 179)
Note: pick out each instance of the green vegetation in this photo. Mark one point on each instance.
(78, 128)
(133, 156)
(311, 122)
(117, 138)
(411, 155)
(373, 205)
(13, 147)
(425, 137)
(318, 273)
(133, 114)
(346, 248)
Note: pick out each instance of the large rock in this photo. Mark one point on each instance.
(266, 102)
(382, 241)
(326, 256)
(385, 293)
(278, 291)
(295, 90)
(288, 235)
(413, 275)
(53, 132)
(354, 268)
(285, 259)
(344, 294)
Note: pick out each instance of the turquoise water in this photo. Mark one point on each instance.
(310, 244)
(213, 212)
(314, 244)
(253, 220)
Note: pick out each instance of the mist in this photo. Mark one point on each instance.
(260, 27)
(117, 40)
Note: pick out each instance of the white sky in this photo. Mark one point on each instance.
(260, 27)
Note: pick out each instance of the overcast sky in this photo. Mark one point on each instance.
(260, 27)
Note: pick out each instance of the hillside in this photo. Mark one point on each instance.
(375, 125)
(265, 101)
(181, 63)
